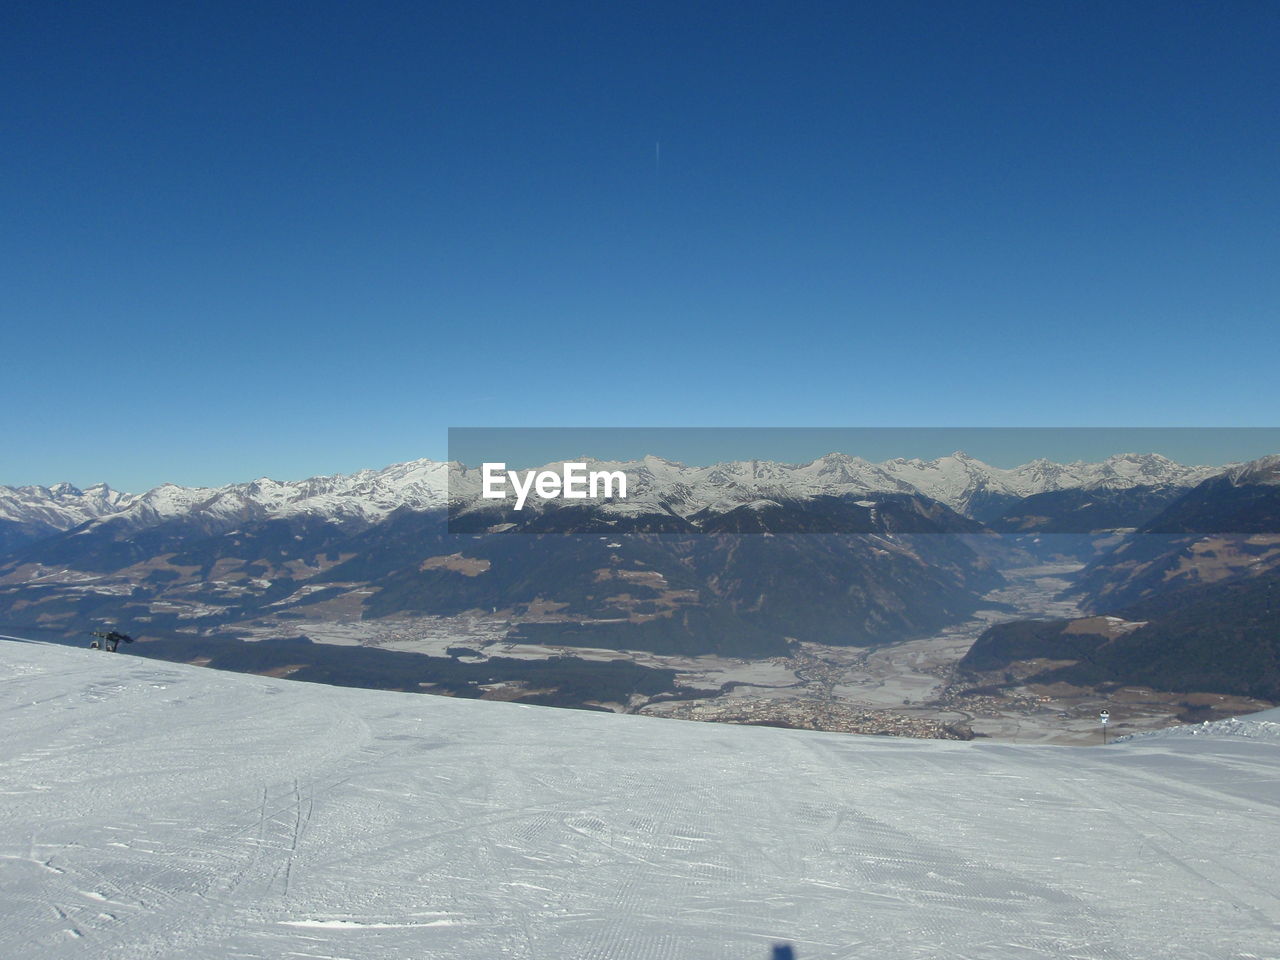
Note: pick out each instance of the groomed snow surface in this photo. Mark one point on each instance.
(152, 810)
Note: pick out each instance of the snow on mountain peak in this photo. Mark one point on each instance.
(366, 496)
(1264, 470)
(60, 506)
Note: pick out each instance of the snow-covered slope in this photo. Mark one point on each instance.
(162, 811)
(1264, 725)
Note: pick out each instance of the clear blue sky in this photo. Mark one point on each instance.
(287, 239)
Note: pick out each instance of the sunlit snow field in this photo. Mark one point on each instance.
(150, 810)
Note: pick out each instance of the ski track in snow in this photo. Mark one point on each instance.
(162, 811)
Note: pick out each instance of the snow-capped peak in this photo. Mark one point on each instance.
(367, 496)
(60, 506)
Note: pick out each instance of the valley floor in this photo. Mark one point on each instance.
(153, 810)
(903, 689)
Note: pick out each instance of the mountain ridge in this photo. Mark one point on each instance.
(965, 484)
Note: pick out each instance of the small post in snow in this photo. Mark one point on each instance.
(1104, 716)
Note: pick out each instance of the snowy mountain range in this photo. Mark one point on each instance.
(967, 485)
(29, 513)
(379, 545)
(366, 496)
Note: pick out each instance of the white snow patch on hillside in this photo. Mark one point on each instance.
(153, 810)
